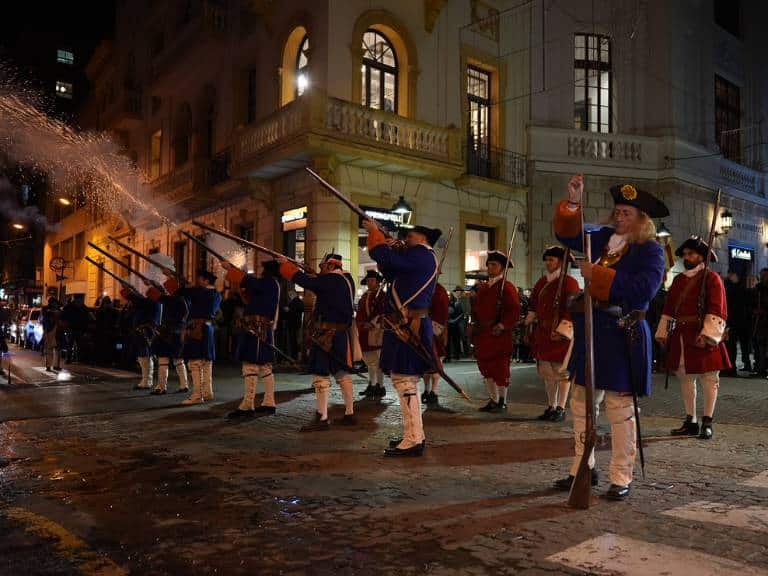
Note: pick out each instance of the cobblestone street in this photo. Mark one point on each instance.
(101, 479)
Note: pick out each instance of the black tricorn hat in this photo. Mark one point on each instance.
(557, 252)
(371, 273)
(210, 276)
(696, 244)
(640, 199)
(432, 234)
(271, 267)
(497, 256)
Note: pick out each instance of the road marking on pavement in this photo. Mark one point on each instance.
(749, 517)
(759, 481)
(88, 561)
(612, 554)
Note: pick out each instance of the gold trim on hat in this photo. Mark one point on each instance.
(628, 192)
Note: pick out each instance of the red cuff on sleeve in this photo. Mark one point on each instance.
(602, 279)
(172, 285)
(235, 276)
(567, 222)
(288, 270)
(376, 238)
(154, 294)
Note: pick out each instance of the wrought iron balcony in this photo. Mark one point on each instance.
(496, 164)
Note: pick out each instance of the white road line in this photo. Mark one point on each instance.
(747, 517)
(759, 481)
(612, 554)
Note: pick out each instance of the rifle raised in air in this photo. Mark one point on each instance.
(141, 276)
(144, 257)
(103, 268)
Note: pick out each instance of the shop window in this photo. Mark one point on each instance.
(478, 240)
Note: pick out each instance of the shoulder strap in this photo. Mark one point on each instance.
(396, 296)
(683, 294)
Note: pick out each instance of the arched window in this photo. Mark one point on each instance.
(379, 72)
(302, 62)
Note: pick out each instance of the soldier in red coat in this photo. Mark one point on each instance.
(438, 313)
(370, 332)
(492, 327)
(553, 330)
(696, 347)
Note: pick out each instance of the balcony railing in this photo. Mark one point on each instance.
(341, 123)
(496, 164)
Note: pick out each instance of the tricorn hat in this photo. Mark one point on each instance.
(497, 256)
(371, 273)
(640, 199)
(163, 260)
(271, 267)
(210, 276)
(556, 252)
(698, 245)
(432, 234)
(333, 259)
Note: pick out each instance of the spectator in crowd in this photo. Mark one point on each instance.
(738, 323)
(457, 322)
(522, 349)
(75, 319)
(106, 327)
(760, 326)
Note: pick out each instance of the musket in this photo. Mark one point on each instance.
(144, 257)
(702, 303)
(141, 276)
(103, 268)
(246, 244)
(204, 246)
(500, 298)
(560, 289)
(444, 253)
(581, 488)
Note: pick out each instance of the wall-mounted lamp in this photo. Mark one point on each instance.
(726, 221)
(662, 232)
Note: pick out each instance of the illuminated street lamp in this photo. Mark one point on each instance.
(726, 221)
(662, 232)
(17, 226)
(65, 201)
(401, 207)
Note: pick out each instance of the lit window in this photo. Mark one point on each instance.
(64, 89)
(379, 72)
(592, 81)
(302, 61)
(155, 147)
(65, 56)
(479, 106)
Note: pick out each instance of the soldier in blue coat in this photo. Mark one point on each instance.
(144, 321)
(199, 345)
(332, 351)
(255, 338)
(627, 270)
(169, 342)
(412, 274)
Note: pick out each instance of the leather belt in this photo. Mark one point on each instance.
(416, 313)
(688, 319)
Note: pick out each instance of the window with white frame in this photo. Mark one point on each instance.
(592, 83)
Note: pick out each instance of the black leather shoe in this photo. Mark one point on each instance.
(547, 415)
(395, 441)
(417, 450)
(347, 420)
(424, 396)
(379, 391)
(689, 428)
(565, 484)
(616, 492)
(501, 406)
(265, 410)
(317, 425)
(240, 414)
(158, 391)
(558, 415)
(706, 428)
(431, 399)
(368, 392)
(490, 407)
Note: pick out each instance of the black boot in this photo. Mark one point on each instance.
(368, 392)
(490, 407)
(565, 484)
(424, 396)
(616, 492)
(547, 415)
(379, 391)
(689, 428)
(558, 415)
(431, 399)
(501, 406)
(706, 428)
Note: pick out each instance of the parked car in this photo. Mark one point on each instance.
(33, 329)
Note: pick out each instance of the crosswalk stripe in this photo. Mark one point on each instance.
(747, 517)
(613, 554)
(759, 481)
